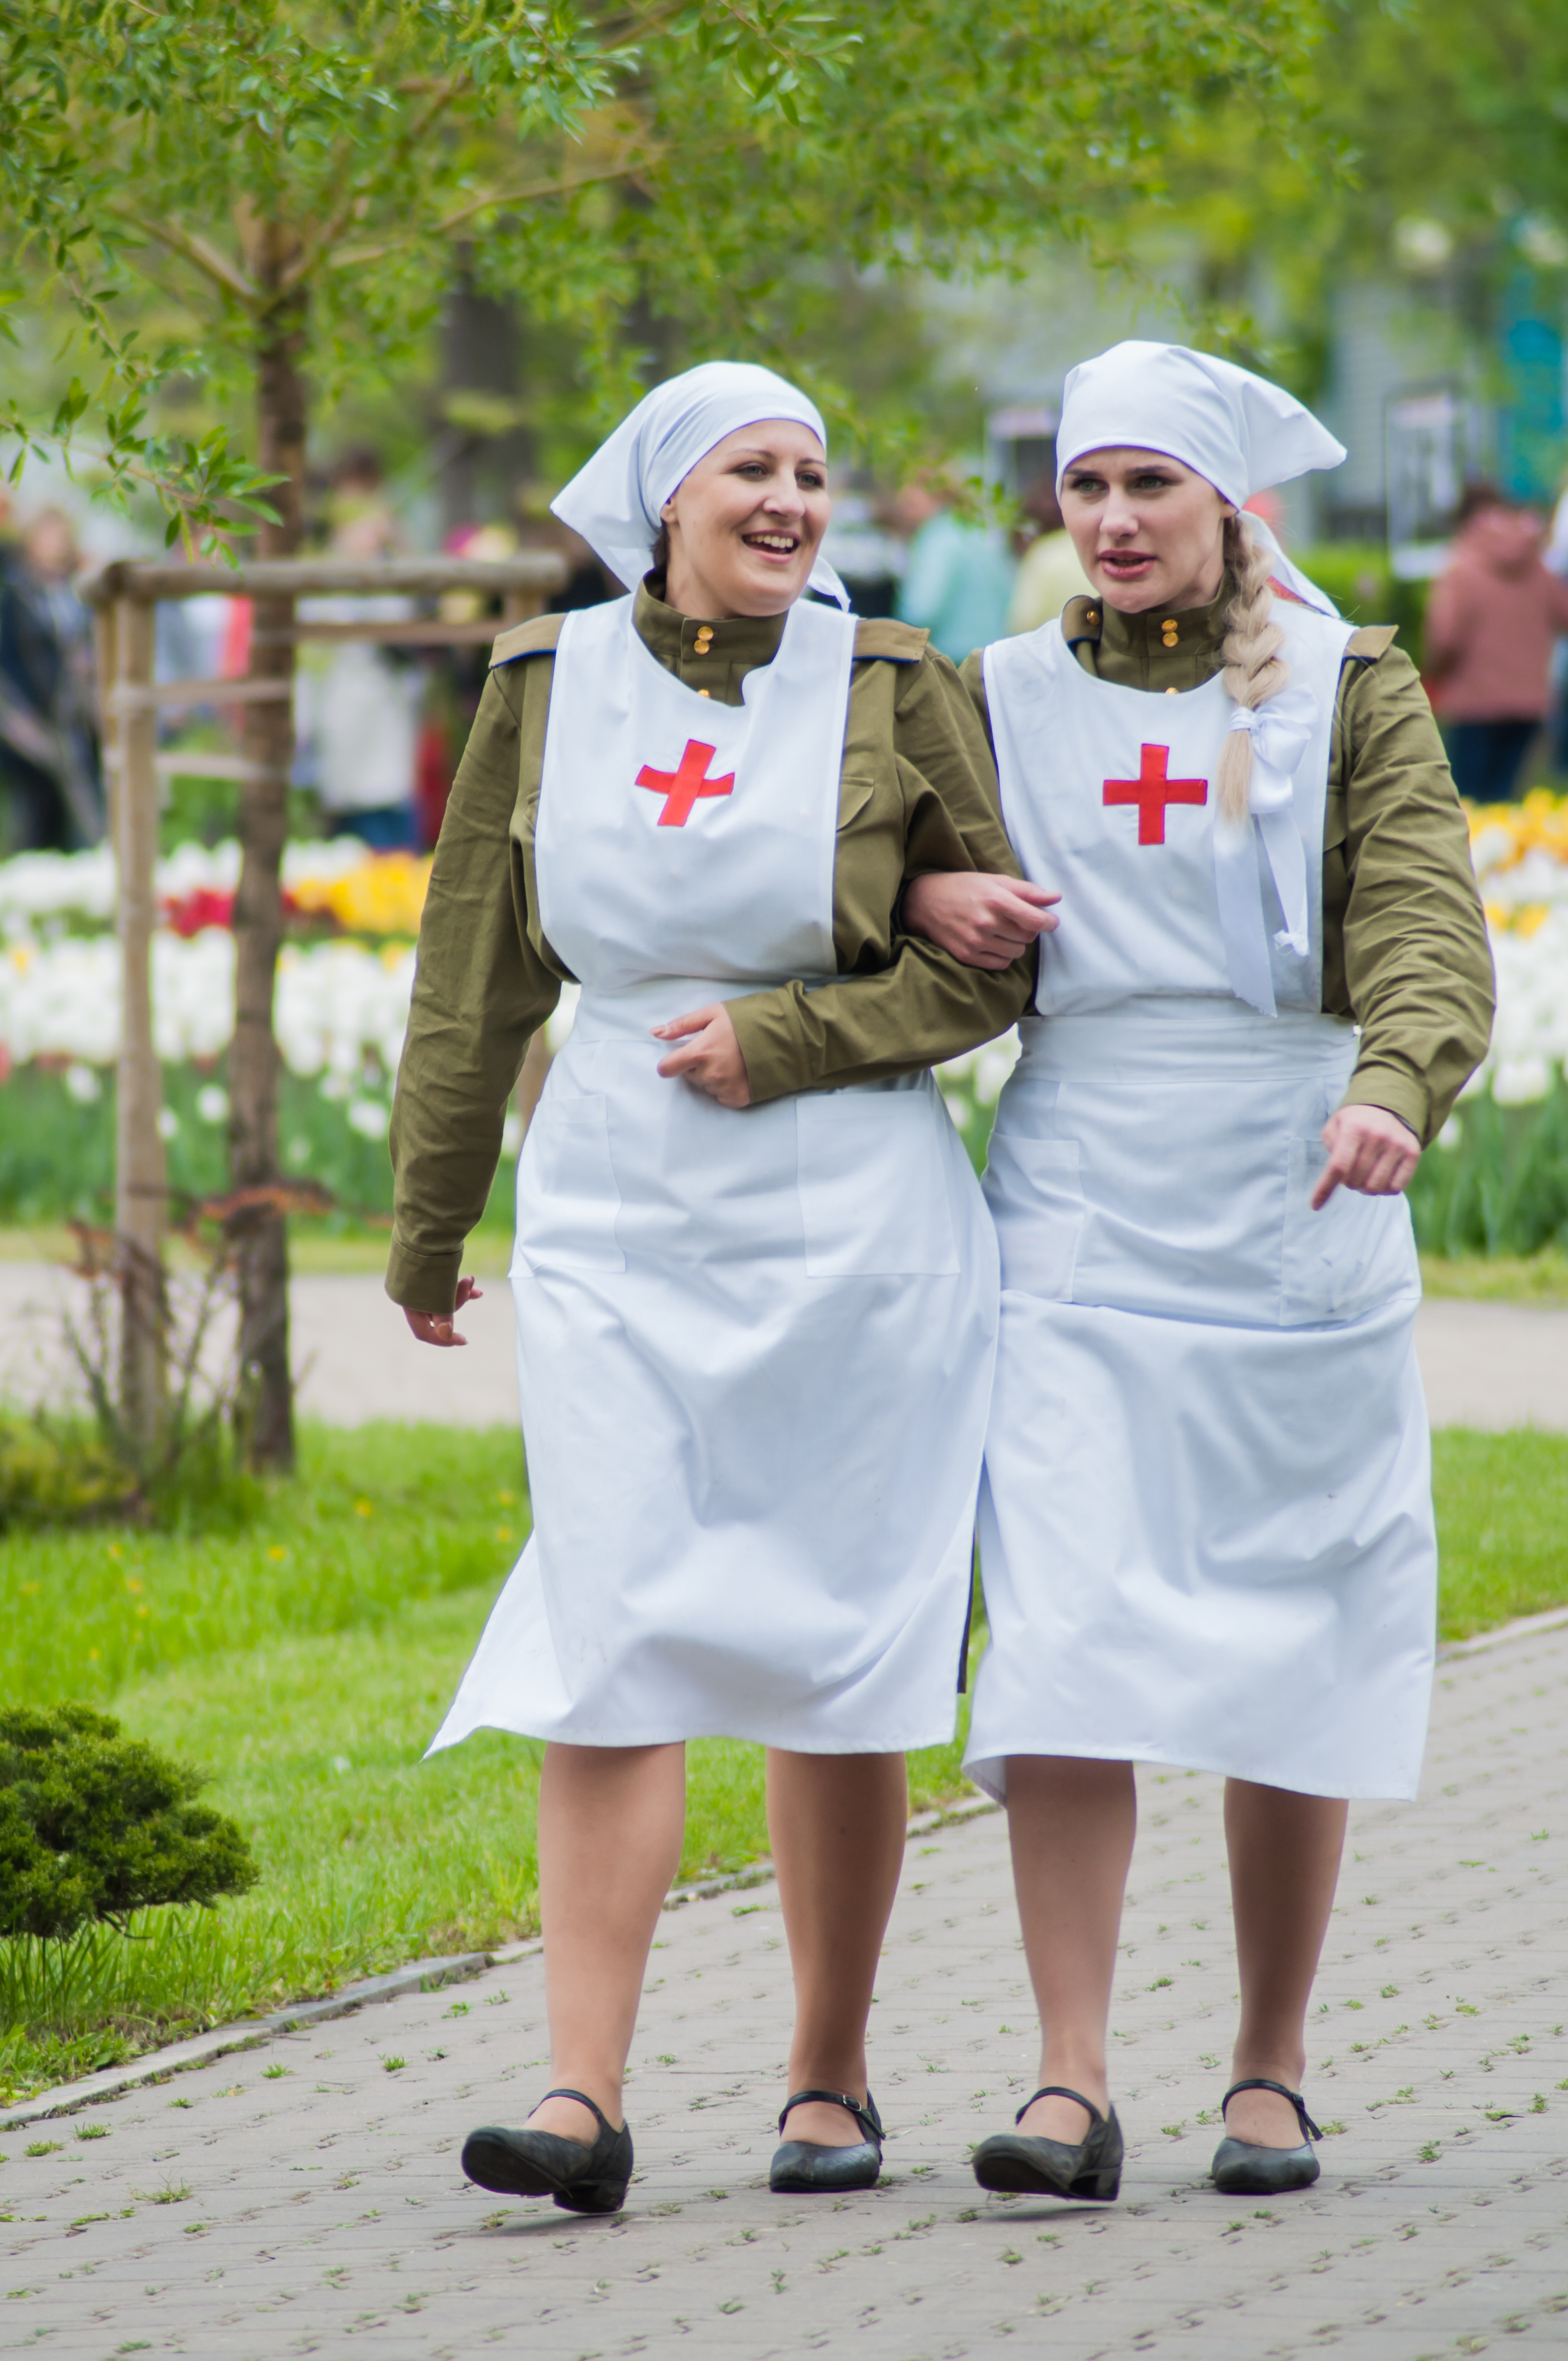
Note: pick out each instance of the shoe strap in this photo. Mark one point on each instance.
(1261, 2082)
(867, 2116)
(583, 2099)
(1060, 2090)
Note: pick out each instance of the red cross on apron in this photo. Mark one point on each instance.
(1151, 791)
(681, 788)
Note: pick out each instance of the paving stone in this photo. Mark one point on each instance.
(321, 2211)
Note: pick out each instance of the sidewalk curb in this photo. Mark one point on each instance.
(1524, 1627)
(249, 2033)
(420, 1975)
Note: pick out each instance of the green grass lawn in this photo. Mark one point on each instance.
(308, 1658)
(1538, 1279)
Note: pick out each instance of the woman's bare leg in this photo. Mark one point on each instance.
(611, 1824)
(837, 1822)
(1071, 1822)
(1285, 1855)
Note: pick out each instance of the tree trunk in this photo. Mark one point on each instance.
(258, 906)
(140, 1175)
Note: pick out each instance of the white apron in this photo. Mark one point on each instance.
(1206, 1527)
(754, 1346)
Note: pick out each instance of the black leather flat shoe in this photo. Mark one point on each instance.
(580, 2178)
(802, 2166)
(1021, 2164)
(1245, 2169)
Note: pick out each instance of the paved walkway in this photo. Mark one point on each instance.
(314, 2203)
(1488, 1365)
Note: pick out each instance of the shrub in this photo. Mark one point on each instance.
(94, 1825)
(51, 1476)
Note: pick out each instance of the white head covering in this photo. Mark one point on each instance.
(614, 500)
(1238, 431)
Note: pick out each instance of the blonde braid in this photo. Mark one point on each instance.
(1253, 668)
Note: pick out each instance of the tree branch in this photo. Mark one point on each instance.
(320, 246)
(196, 250)
(354, 257)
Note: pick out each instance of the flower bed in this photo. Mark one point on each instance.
(344, 977)
(1497, 1182)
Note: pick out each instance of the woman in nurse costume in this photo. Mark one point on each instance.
(756, 1286)
(1206, 1529)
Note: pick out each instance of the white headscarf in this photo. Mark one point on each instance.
(614, 501)
(1238, 431)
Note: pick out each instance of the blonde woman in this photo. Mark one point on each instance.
(1206, 1529)
(756, 1288)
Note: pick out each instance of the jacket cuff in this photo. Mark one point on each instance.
(423, 1282)
(778, 1061)
(1397, 1094)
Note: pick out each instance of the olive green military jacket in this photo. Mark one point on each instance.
(1405, 948)
(917, 792)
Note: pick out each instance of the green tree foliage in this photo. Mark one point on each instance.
(1440, 159)
(94, 1826)
(307, 169)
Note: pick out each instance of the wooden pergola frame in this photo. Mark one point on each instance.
(124, 598)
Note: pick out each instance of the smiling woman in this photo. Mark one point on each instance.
(756, 1291)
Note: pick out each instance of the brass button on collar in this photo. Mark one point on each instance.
(1168, 631)
(704, 638)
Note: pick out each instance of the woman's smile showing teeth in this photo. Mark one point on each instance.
(784, 544)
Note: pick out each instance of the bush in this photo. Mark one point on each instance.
(94, 1825)
(54, 1476)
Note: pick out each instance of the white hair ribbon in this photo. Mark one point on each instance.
(1280, 732)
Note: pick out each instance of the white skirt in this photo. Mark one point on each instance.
(1206, 1526)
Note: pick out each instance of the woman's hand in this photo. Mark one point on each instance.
(1369, 1150)
(983, 920)
(711, 1058)
(435, 1327)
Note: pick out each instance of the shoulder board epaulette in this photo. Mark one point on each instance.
(878, 636)
(537, 637)
(1373, 641)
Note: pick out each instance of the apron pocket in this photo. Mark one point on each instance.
(1345, 1261)
(567, 1200)
(1035, 1191)
(873, 1186)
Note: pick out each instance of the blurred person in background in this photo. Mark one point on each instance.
(1495, 611)
(360, 707)
(1048, 571)
(49, 765)
(1556, 557)
(958, 577)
